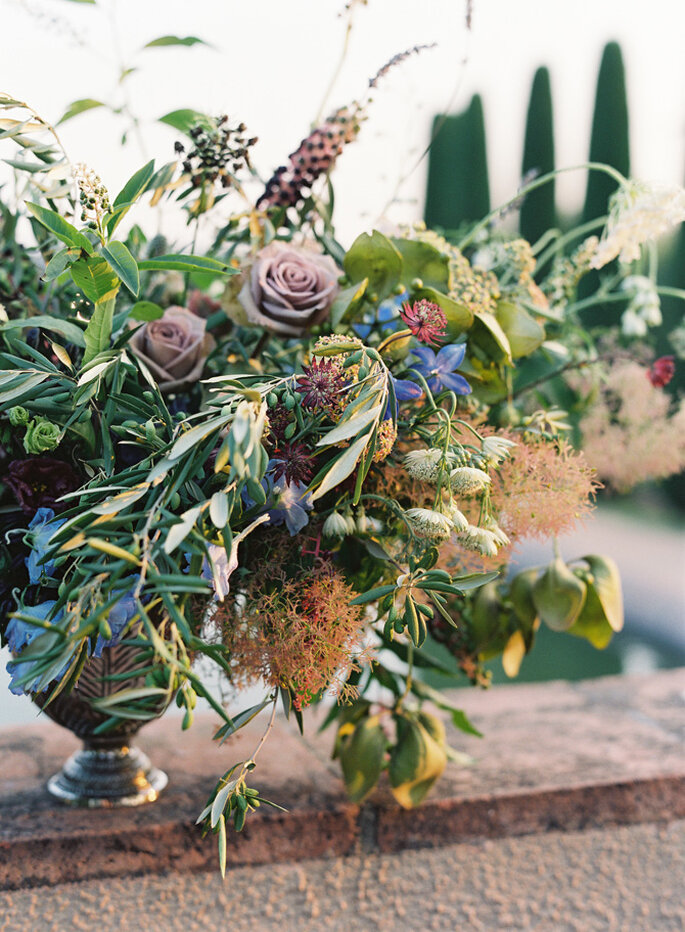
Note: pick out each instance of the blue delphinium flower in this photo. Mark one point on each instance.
(404, 391)
(438, 369)
(288, 504)
(43, 525)
(387, 318)
(118, 618)
(20, 634)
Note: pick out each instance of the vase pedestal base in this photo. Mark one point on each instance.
(95, 778)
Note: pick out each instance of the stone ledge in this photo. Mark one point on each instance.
(555, 756)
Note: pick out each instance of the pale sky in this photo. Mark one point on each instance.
(273, 59)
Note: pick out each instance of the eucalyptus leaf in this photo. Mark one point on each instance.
(343, 466)
(79, 106)
(183, 263)
(72, 332)
(180, 531)
(350, 428)
(175, 40)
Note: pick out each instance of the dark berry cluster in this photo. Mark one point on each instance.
(93, 196)
(219, 152)
(315, 156)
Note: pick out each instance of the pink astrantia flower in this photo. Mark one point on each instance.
(426, 320)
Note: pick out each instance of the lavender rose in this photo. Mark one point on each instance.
(290, 288)
(174, 347)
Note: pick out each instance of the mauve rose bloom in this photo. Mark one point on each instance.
(174, 347)
(290, 288)
(39, 481)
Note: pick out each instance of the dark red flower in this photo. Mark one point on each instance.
(661, 371)
(39, 481)
(426, 320)
(293, 461)
(279, 418)
(320, 383)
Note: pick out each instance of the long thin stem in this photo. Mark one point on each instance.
(532, 186)
(338, 68)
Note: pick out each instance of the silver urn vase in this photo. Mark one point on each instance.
(107, 771)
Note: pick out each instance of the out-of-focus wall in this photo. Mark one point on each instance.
(272, 60)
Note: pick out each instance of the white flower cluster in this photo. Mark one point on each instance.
(424, 465)
(467, 480)
(484, 540)
(496, 449)
(638, 213)
(339, 525)
(644, 308)
(429, 524)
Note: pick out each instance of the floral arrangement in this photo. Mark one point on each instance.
(309, 464)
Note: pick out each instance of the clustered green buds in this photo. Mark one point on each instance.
(41, 436)
(19, 417)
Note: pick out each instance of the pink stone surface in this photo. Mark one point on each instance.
(554, 756)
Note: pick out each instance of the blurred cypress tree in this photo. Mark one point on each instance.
(458, 189)
(538, 212)
(609, 141)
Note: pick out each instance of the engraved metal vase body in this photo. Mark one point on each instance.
(107, 771)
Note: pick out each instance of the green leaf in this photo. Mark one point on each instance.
(61, 228)
(416, 762)
(124, 265)
(175, 40)
(79, 106)
(99, 330)
(607, 582)
(342, 467)
(118, 502)
(352, 426)
(373, 594)
(180, 531)
(133, 188)
(218, 510)
(487, 333)
(185, 264)
(95, 278)
(184, 120)
(347, 302)
(72, 332)
(57, 265)
(241, 719)
(196, 435)
(374, 257)
(474, 580)
(362, 757)
(146, 310)
(222, 846)
(421, 260)
(559, 596)
(26, 385)
(524, 333)
(592, 623)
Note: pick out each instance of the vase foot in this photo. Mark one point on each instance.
(103, 778)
